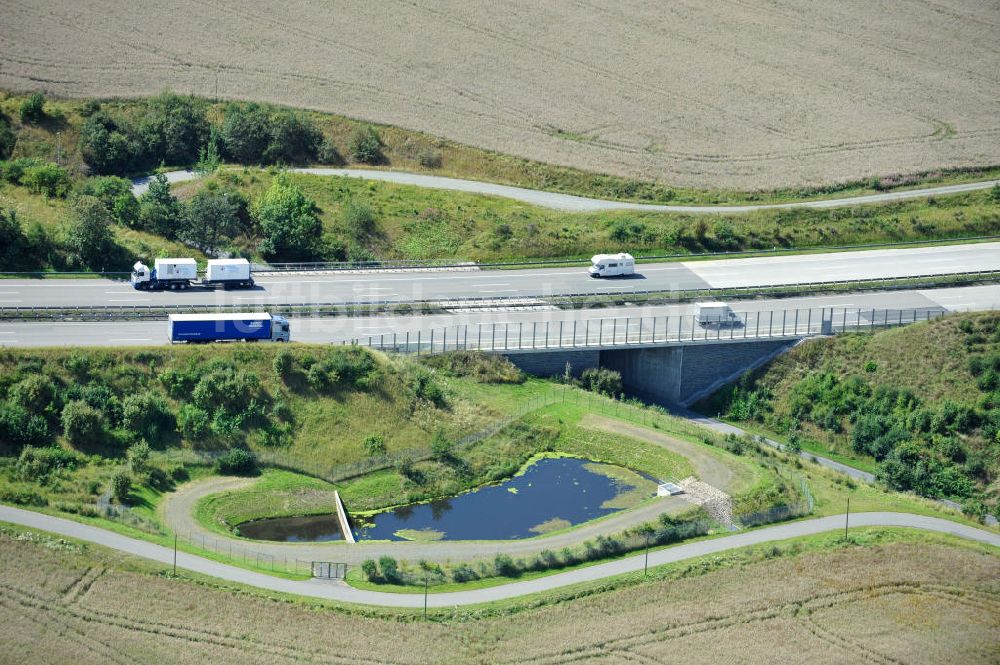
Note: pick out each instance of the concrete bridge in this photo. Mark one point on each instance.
(672, 360)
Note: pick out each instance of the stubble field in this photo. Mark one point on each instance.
(917, 600)
(743, 95)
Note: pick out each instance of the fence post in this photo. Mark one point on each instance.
(520, 333)
(560, 344)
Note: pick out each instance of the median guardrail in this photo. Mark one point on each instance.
(584, 300)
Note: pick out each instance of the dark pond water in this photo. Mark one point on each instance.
(311, 529)
(550, 494)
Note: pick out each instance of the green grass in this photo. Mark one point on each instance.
(57, 139)
(418, 223)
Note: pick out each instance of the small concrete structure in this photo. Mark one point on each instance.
(669, 489)
(345, 526)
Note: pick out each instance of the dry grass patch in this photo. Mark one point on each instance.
(914, 601)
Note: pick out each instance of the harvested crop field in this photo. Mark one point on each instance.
(917, 600)
(747, 95)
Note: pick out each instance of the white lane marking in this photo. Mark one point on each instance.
(9, 293)
(6, 332)
(127, 300)
(132, 339)
(499, 290)
(493, 284)
(11, 301)
(253, 297)
(8, 341)
(119, 293)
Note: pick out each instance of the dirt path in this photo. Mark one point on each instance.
(708, 467)
(571, 203)
(342, 592)
(177, 512)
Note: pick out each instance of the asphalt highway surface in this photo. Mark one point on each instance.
(338, 329)
(444, 285)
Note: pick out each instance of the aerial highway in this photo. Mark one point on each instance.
(339, 329)
(534, 282)
(571, 203)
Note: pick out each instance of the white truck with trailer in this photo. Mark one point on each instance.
(174, 274)
(612, 265)
(717, 314)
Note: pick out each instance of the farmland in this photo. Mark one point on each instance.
(749, 96)
(891, 596)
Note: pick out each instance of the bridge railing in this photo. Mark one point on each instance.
(633, 331)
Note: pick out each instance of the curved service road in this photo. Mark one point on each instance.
(338, 591)
(572, 203)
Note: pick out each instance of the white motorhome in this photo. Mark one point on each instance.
(715, 314)
(611, 265)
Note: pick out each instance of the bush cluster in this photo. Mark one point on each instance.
(483, 367)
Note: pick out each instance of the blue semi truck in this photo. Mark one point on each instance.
(201, 328)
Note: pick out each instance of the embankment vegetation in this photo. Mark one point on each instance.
(64, 201)
(918, 405)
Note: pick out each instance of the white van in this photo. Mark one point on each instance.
(611, 265)
(715, 314)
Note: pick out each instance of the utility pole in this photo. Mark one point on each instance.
(645, 566)
(847, 517)
(175, 555)
(425, 594)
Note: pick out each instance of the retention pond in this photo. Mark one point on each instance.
(551, 494)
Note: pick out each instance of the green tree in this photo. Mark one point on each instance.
(90, 237)
(108, 145)
(7, 138)
(12, 238)
(116, 195)
(389, 568)
(212, 219)
(121, 485)
(294, 139)
(366, 145)
(32, 109)
(173, 128)
(440, 446)
(208, 156)
(159, 210)
(289, 225)
(82, 424)
(245, 133)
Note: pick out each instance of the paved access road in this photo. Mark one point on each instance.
(444, 285)
(571, 203)
(338, 591)
(338, 329)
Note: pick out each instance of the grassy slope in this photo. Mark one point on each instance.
(930, 360)
(417, 223)
(403, 150)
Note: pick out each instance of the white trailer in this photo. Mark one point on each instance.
(228, 273)
(715, 314)
(611, 265)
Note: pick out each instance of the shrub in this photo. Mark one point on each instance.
(289, 226)
(366, 145)
(370, 570)
(359, 219)
(19, 427)
(146, 415)
(504, 566)
(7, 138)
(159, 210)
(294, 139)
(483, 367)
(601, 380)
(32, 109)
(36, 393)
(138, 457)
(108, 145)
(39, 464)
(464, 573)
(121, 485)
(429, 158)
(390, 569)
(82, 424)
(116, 195)
(49, 179)
(375, 445)
(173, 128)
(194, 424)
(245, 133)
(283, 363)
(237, 462)
(90, 237)
(440, 446)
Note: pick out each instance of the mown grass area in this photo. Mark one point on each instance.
(408, 222)
(918, 405)
(56, 138)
